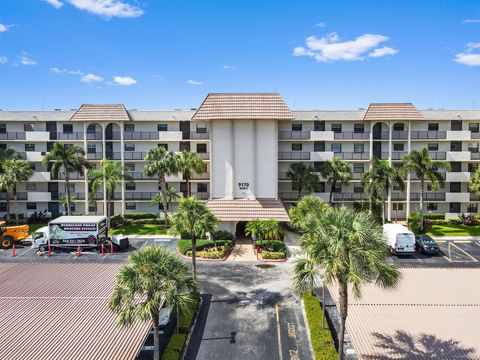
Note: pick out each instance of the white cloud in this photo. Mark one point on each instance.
(193, 82)
(229, 67)
(330, 48)
(75, 72)
(27, 60)
(91, 78)
(3, 59)
(321, 24)
(57, 4)
(124, 80)
(383, 52)
(3, 27)
(472, 45)
(471, 21)
(57, 70)
(468, 59)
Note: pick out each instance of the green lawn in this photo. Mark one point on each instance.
(454, 230)
(147, 229)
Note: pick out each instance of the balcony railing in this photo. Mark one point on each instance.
(283, 176)
(438, 155)
(475, 135)
(294, 135)
(94, 136)
(290, 195)
(140, 135)
(294, 155)
(138, 175)
(201, 195)
(71, 176)
(399, 135)
(204, 156)
(202, 176)
(112, 135)
(474, 156)
(12, 136)
(431, 135)
(381, 135)
(357, 176)
(353, 156)
(428, 196)
(78, 195)
(349, 196)
(66, 136)
(396, 155)
(95, 156)
(351, 135)
(199, 135)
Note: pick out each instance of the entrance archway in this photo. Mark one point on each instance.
(240, 230)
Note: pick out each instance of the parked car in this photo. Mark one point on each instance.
(426, 245)
(399, 238)
(165, 315)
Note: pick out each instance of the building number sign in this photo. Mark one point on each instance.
(243, 185)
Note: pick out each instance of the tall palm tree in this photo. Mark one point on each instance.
(336, 171)
(193, 218)
(67, 158)
(154, 277)
(109, 175)
(380, 179)
(162, 163)
(309, 204)
(303, 177)
(347, 248)
(14, 171)
(6, 154)
(426, 169)
(189, 163)
(172, 194)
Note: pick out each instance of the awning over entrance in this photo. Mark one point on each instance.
(246, 210)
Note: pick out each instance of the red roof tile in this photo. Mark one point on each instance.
(246, 210)
(393, 111)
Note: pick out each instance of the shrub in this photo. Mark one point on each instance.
(155, 221)
(185, 245)
(467, 219)
(186, 320)
(434, 216)
(413, 222)
(140, 215)
(271, 245)
(222, 235)
(439, 222)
(454, 222)
(174, 348)
(273, 255)
(321, 339)
(118, 221)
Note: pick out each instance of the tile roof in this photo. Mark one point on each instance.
(60, 311)
(246, 106)
(392, 111)
(101, 112)
(246, 210)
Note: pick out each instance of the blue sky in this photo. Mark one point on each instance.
(159, 54)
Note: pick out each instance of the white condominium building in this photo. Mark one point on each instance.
(248, 142)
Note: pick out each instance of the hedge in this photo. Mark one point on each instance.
(321, 339)
(147, 221)
(273, 255)
(140, 215)
(222, 235)
(174, 348)
(271, 245)
(186, 320)
(434, 216)
(185, 245)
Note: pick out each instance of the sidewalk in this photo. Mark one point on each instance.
(148, 236)
(456, 238)
(242, 252)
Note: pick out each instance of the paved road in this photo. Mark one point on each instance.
(241, 302)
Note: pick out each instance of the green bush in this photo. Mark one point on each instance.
(118, 221)
(413, 222)
(454, 222)
(439, 222)
(140, 215)
(321, 339)
(434, 216)
(186, 320)
(185, 245)
(222, 235)
(271, 245)
(174, 348)
(273, 255)
(148, 221)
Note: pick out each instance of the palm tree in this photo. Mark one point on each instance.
(6, 154)
(189, 163)
(380, 179)
(303, 177)
(309, 204)
(194, 219)
(109, 175)
(348, 248)
(154, 277)
(13, 172)
(422, 165)
(474, 185)
(69, 158)
(162, 163)
(336, 171)
(63, 201)
(172, 194)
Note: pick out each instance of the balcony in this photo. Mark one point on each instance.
(66, 136)
(294, 135)
(202, 176)
(71, 176)
(428, 135)
(321, 155)
(196, 135)
(94, 136)
(294, 155)
(77, 195)
(475, 135)
(353, 156)
(351, 135)
(457, 197)
(37, 136)
(463, 176)
(474, 197)
(357, 176)
(95, 156)
(413, 176)
(437, 155)
(112, 135)
(458, 155)
(399, 135)
(141, 135)
(349, 196)
(474, 156)
(13, 136)
(40, 176)
(136, 195)
(34, 156)
(428, 196)
(34, 196)
(381, 135)
(283, 176)
(20, 196)
(322, 135)
(201, 195)
(458, 135)
(138, 175)
(133, 155)
(396, 155)
(399, 196)
(290, 195)
(170, 135)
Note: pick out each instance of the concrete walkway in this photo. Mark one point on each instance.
(456, 238)
(242, 252)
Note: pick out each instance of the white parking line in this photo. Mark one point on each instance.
(25, 252)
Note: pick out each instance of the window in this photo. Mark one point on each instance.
(31, 186)
(296, 127)
(202, 187)
(455, 166)
(3, 206)
(455, 187)
(162, 127)
(318, 166)
(398, 127)
(68, 128)
(296, 147)
(201, 128)
(319, 146)
(29, 147)
(130, 206)
(358, 168)
(456, 125)
(358, 128)
(358, 148)
(472, 208)
(130, 167)
(3, 128)
(92, 208)
(91, 148)
(91, 129)
(358, 189)
(319, 125)
(31, 206)
(433, 127)
(184, 146)
(432, 147)
(130, 186)
(455, 146)
(336, 148)
(28, 127)
(473, 147)
(455, 207)
(202, 148)
(474, 127)
(3, 146)
(165, 146)
(472, 167)
(432, 206)
(71, 187)
(337, 128)
(50, 145)
(129, 127)
(429, 187)
(398, 206)
(129, 147)
(398, 147)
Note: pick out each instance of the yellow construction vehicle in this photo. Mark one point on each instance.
(10, 235)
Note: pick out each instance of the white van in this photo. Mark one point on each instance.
(400, 239)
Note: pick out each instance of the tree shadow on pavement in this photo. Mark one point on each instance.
(404, 346)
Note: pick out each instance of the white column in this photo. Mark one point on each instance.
(389, 201)
(371, 143)
(122, 160)
(408, 176)
(104, 144)
(86, 175)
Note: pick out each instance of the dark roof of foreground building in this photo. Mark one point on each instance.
(246, 209)
(246, 106)
(392, 111)
(101, 112)
(60, 311)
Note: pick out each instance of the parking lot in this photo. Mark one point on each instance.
(453, 253)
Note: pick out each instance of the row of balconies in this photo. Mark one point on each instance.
(127, 135)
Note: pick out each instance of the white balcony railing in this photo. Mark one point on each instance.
(458, 155)
(170, 135)
(321, 155)
(39, 196)
(463, 176)
(457, 197)
(322, 135)
(459, 135)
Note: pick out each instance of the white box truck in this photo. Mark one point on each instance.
(399, 238)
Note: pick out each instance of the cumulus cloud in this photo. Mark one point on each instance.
(193, 82)
(468, 56)
(229, 67)
(105, 8)
(3, 27)
(27, 60)
(471, 21)
(124, 80)
(91, 78)
(3, 59)
(57, 70)
(331, 48)
(321, 24)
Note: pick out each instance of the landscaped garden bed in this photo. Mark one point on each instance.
(206, 249)
(267, 240)
(270, 250)
(139, 223)
(437, 225)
